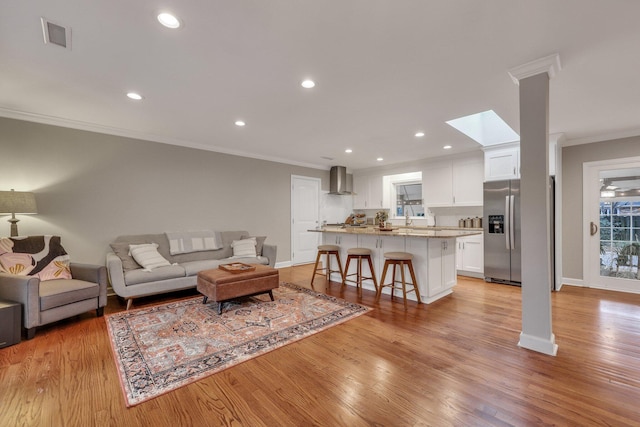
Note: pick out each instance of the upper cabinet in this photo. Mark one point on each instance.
(455, 182)
(368, 192)
(502, 163)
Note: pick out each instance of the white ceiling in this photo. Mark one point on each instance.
(384, 70)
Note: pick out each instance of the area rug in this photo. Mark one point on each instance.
(161, 348)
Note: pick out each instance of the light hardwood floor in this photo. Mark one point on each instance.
(452, 363)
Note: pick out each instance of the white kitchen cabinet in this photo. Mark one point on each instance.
(441, 268)
(453, 183)
(434, 262)
(368, 192)
(470, 256)
(437, 185)
(467, 182)
(502, 163)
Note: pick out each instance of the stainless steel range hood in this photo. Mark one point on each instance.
(338, 182)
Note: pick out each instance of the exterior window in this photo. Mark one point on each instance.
(408, 199)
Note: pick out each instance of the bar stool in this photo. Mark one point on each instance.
(401, 259)
(359, 254)
(327, 250)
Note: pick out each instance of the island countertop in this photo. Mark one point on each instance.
(399, 231)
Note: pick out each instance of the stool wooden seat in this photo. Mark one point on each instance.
(359, 254)
(401, 259)
(328, 251)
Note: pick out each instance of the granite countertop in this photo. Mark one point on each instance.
(402, 231)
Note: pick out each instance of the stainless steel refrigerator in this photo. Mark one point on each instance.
(501, 224)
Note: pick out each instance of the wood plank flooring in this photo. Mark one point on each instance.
(452, 363)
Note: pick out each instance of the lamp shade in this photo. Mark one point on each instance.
(17, 202)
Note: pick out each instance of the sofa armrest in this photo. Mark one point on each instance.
(270, 251)
(116, 274)
(94, 274)
(25, 290)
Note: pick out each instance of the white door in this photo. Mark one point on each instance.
(612, 224)
(305, 215)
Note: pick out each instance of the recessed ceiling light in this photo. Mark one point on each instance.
(348, 150)
(134, 95)
(240, 123)
(169, 20)
(447, 147)
(419, 134)
(379, 159)
(308, 84)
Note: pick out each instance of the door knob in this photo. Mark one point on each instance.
(594, 228)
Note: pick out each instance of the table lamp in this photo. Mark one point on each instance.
(17, 202)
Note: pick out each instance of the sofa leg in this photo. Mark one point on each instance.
(129, 302)
(31, 332)
(100, 312)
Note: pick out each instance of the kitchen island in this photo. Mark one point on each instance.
(433, 249)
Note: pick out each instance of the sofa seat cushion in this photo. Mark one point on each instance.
(194, 267)
(59, 292)
(133, 277)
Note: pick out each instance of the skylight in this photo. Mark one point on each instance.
(486, 128)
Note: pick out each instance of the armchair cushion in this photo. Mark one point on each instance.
(56, 293)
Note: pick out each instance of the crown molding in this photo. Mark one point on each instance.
(549, 64)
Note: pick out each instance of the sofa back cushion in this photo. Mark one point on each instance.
(121, 248)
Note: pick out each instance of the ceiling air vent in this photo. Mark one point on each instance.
(56, 34)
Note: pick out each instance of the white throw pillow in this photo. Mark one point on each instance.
(245, 248)
(147, 256)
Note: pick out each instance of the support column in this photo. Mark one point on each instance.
(535, 204)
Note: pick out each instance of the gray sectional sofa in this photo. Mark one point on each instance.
(129, 280)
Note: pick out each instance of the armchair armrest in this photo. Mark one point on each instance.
(270, 251)
(25, 290)
(94, 274)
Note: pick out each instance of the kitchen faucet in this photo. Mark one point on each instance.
(407, 221)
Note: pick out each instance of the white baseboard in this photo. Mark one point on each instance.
(572, 282)
(545, 346)
(283, 264)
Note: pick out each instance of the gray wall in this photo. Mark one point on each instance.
(92, 187)
(573, 158)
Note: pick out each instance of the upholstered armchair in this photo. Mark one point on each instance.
(82, 288)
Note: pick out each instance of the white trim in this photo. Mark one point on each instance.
(538, 344)
(549, 64)
(283, 264)
(572, 282)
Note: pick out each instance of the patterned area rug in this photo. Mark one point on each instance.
(162, 348)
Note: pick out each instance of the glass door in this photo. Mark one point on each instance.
(615, 235)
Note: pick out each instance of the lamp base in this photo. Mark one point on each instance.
(14, 226)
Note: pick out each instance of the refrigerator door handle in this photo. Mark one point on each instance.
(507, 221)
(512, 220)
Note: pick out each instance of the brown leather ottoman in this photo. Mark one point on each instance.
(220, 285)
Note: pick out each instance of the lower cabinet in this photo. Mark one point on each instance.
(378, 245)
(434, 262)
(470, 256)
(345, 241)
